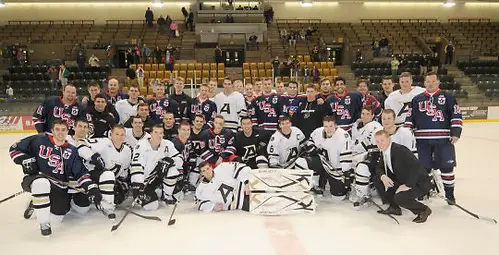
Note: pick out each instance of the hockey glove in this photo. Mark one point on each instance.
(349, 178)
(137, 189)
(166, 162)
(95, 196)
(30, 167)
(97, 161)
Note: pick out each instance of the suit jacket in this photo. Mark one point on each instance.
(406, 168)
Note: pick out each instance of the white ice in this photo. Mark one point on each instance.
(334, 229)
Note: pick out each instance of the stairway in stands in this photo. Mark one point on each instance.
(187, 51)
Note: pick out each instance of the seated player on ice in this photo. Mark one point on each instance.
(330, 156)
(251, 144)
(49, 162)
(223, 188)
(365, 154)
(108, 161)
(286, 145)
(218, 143)
(155, 170)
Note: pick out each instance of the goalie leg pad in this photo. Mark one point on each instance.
(282, 203)
(301, 163)
(274, 179)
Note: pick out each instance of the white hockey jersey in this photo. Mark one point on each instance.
(131, 140)
(145, 159)
(75, 143)
(405, 137)
(364, 137)
(400, 103)
(282, 149)
(116, 160)
(226, 187)
(125, 110)
(335, 149)
(231, 107)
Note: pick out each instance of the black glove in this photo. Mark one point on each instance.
(94, 196)
(30, 167)
(349, 178)
(137, 189)
(166, 161)
(97, 161)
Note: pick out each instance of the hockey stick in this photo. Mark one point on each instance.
(379, 207)
(12, 196)
(138, 214)
(439, 185)
(172, 221)
(117, 225)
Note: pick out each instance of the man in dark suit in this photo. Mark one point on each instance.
(403, 177)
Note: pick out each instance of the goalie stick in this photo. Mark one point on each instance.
(12, 196)
(439, 186)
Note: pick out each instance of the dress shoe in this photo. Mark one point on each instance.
(423, 216)
(391, 210)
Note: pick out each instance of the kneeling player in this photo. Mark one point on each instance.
(223, 188)
(329, 147)
(366, 152)
(285, 146)
(157, 165)
(251, 144)
(48, 161)
(108, 160)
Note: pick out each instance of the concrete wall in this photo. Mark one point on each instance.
(327, 11)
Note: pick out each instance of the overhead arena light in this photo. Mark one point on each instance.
(157, 3)
(2, 3)
(306, 3)
(449, 3)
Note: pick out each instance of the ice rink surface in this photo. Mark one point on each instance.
(336, 228)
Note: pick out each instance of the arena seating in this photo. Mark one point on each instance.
(485, 74)
(47, 32)
(187, 70)
(264, 69)
(479, 36)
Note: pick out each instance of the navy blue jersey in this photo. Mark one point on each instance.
(289, 106)
(113, 99)
(187, 151)
(267, 111)
(248, 148)
(217, 145)
(53, 109)
(435, 118)
(183, 101)
(60, 162)
(207, 108)
(345, 108)
(197, 144)
(157, 107)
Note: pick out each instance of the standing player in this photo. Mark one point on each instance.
(230, 105)
(55, 108)
(400, 135)
(267, 109)
(251, 144)
(127, 108)
(291, 102)
(202, 105)
(113, 95)
(286, 145)
(169, 126)
(345, 106)
(218, 143)
(366, 154)
(331, 154)
(400, 100)
(162, 103)
(212, 88)
(143, 113)
(184, 147)
(136, 134)
(102, 119)
(157, 165)
(181, 98)
(223, 188)
(108, 160)
(387, 85)
(368, 98)
(310, 112)
(437, 120)
(48, 160)
(197, 146)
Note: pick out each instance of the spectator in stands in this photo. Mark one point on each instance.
(275, 67)
(140, 76)
(383, 46)
(158, 55)
(292, 39)
(395, 66)
(449, 52)
(229, 18)
(218, 54)
(129, 56)
(315, 74)
(146, 53)
(161, 24)
(284, 35)
(358, 55)
(309, 33)
(253, 40)
(169, 60)
(230, 2)
(185, 13)
(53, 75)
(80, 60)
(174, 29)
(9, 91)
(315, 54)
(387, 85)
(305, 73)
(149, 17)
(296, 68)
(63, 75)
(435, 62)
(93, 61)
(168, 22)
(375, 48)
(189, 23)
(239, 86)
(111, 54)
(269, 15)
